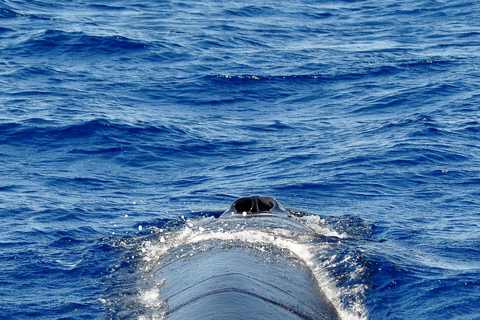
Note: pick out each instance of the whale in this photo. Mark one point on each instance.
(225, 279)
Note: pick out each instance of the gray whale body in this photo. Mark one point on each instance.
(231, 281)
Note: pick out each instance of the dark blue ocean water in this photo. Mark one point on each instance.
(119, 117)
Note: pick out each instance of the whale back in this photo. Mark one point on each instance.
(233, 282)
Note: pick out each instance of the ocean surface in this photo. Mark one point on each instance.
(125, 124)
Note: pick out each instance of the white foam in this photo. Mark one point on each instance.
(151, 297)
(318, 225)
